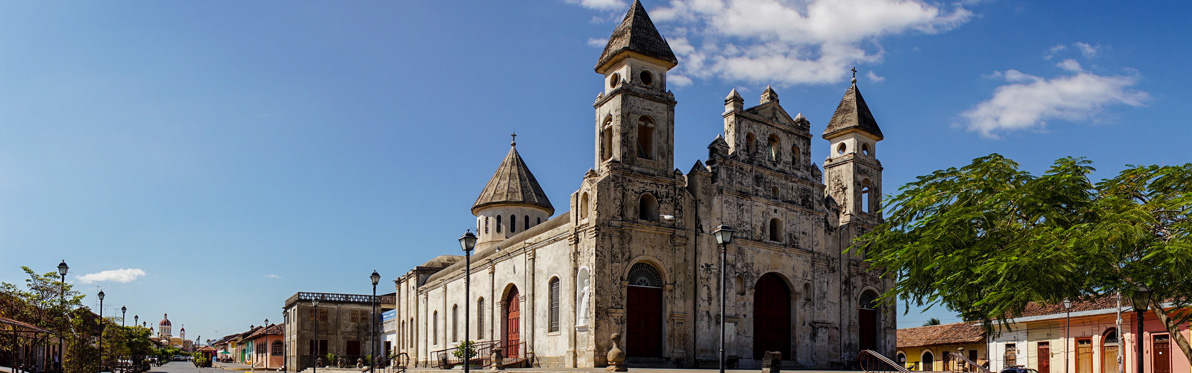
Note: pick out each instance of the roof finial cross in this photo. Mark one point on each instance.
(854, 69)
(514, 142)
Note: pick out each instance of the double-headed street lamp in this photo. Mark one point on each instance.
(1141, 299)
(1067, 330)
(101, 362)
(62, 268)
(467, 242)
(375, 278)
(724, 236)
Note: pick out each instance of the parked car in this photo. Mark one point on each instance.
(1018, 369)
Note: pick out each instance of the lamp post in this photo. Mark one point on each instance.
(135, 320)
(1067, 330)
(724, 236)
(101, 362)
(315, 344)
(467, 242)
(1141, 299)
(375, 278)
(285, 354)
(265, 333)
(62, 268)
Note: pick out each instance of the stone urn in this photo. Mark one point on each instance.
(495, 357)
(616, 357)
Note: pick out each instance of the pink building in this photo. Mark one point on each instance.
(1086, 339)
(269, 347)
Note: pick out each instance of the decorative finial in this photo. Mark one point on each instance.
(514, 142)
(854, 75)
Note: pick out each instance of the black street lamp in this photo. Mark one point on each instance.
(265, 334)
(1141, 299)
(285, 353)
(1067, 330)
(101, 362)
(315, 345)
(62, 269)
(375, 278)
(724, 236)
(123, 310)
(467, 242)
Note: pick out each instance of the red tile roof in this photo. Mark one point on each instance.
(941, 335)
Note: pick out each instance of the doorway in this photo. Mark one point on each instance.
(511, 339)
(643, 312)
(1161, 352)
(772, 317)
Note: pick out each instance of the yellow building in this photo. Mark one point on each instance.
(927, 348)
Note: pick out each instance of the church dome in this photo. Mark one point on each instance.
(513, 184)
(165, 320)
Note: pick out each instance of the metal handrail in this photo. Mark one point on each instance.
(871, 361)
(963, 364)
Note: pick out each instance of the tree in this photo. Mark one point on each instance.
(39, 303)
(932, 321)
(987, 239)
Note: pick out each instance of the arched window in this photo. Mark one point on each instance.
(772, 146)
(410, 333)
(512, 223)
(485, 225)
(554, 305)
(583, 206)
(276, 349)
(498, 223)
(806, 291)
(749, 140)
(539, 221)
(647, 207)
(774, 192)
(795, 155)
(775, 230)
(644, 275)
(527, 222)
(866, 198)
(480, 318)
(645, 138)
(606, 139)
(454, 323)
(739, 284)
(435, 332)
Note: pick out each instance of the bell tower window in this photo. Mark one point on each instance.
(749, 140)
(645, 138)
(866, 191)
(772, 147)
(795, 155)
(647, 78)
(647, 208)
(606, 139)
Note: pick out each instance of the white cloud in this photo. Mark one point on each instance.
(1087, 50)
(597, 43)
(1070, 65)
(873, 77)
(113, 275)
(788, 42)
(273, 276)
(601, 4)
(1053, 51)
(1028, 102)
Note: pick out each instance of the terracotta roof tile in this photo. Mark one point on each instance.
(940, 335)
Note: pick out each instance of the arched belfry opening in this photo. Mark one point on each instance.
(643, 329)
(771, 316)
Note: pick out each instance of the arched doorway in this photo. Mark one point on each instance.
(511, 338)
(867, 321)
(927, 363)
(643, 327)
(1109, 351)
(771, 316)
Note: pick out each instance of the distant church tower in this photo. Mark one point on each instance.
(182, 332)
(165, 328)
(635, 112)
(854, 174)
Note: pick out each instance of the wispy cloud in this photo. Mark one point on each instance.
(1028, 102)
(601, 4)
(784, 42)
(273, 276)
(597, 42)
(113, 275)
(873, 77)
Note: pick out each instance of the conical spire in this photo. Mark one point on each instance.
(513, 184)
(636, 34)
(852, 114)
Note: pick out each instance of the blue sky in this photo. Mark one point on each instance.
(226, 155)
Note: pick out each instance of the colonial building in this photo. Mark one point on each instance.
(931, 348)
(340, 325)
(635, 254)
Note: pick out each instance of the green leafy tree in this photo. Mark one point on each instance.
(986, 239)
(38, 303)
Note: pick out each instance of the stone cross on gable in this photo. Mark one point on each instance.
(854, 69)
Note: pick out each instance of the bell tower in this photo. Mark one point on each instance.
(635, 111)
(853, 174)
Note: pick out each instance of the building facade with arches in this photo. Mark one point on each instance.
(635, 255)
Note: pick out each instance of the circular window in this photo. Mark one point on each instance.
(840, 148)
(614, 80)
(647, 78)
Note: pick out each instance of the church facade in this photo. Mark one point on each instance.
(635, 254)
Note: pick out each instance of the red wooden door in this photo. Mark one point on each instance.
(512, 324)
(644, 318)
(867, 329)
(1044, 357)
(771, 317)
(1161, 353)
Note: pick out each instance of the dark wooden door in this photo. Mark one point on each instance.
(512, 326)
(928, 362)
(867, 329)
(1084, 355)
(1161, 353)
(644, 318)
(1044, 357)
(771, 317)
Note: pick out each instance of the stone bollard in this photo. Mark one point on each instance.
(772, 362)
(319, 362)
(360, 362)
(495, 357)
(616, 357)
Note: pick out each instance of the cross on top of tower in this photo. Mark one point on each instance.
(514, 141)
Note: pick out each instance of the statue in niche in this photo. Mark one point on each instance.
(583, 303)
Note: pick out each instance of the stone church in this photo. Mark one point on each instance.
(635, 254)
